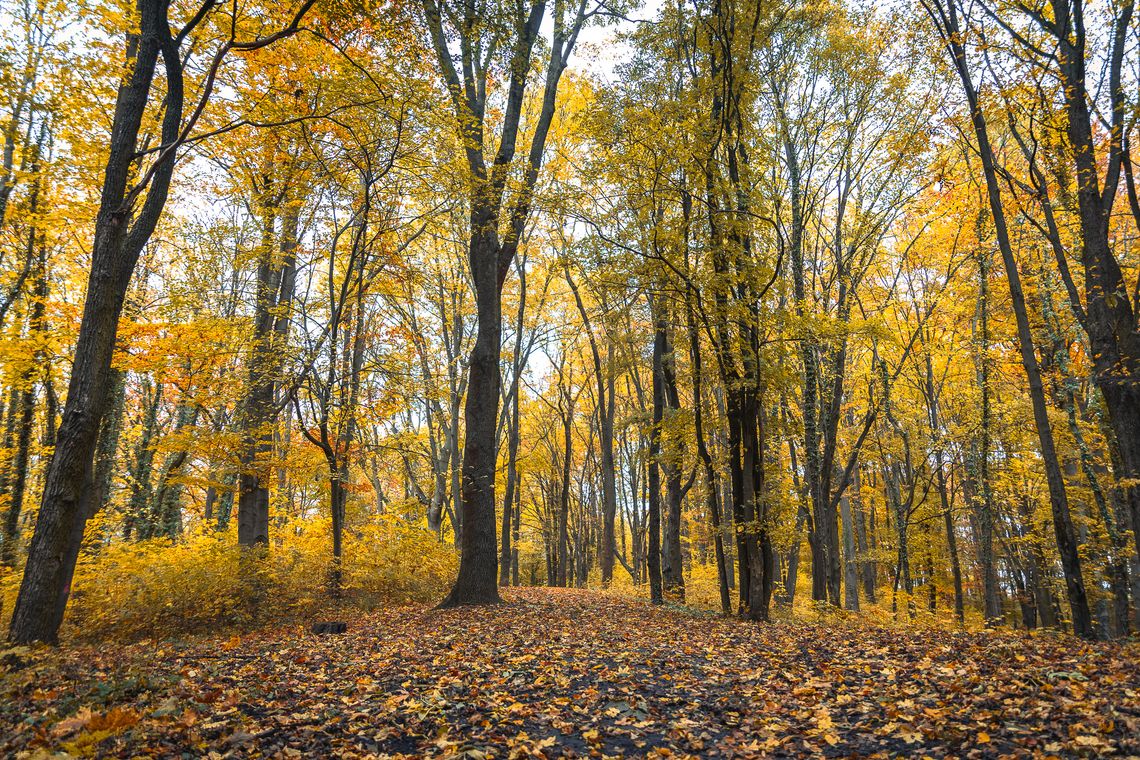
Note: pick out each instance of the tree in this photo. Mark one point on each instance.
(131, 202)
(496, 226)
(945, 17)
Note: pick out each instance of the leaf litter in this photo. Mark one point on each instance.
(558, 672)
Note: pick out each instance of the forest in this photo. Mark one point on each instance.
(533, 378)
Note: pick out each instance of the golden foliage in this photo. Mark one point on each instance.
(160, 587)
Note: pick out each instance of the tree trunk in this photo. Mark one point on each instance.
(672, 569)
(166, 512)
(1062, 520)
(337, 500)
(943, 490)
(563, 574)
(1111, 321)
(515, 535)
(605, 382)
(274, 298)
(713, 503)
(762, 559)
(984, 506)
(138, 517)
(478, 558)
(18, 469)
(508, 533)
(865, 537)
(792, 576)
(653, 549)
(69, 486)
(1065, 390)
(850, 558)
(509, 496)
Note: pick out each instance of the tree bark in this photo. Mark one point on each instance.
(653, 548)
(138, 517)
(489, 257)
(1111, 320)
(712, 502)
(517, 362)
(605, 411)
(850, 558)
(672, 569)
(944, 491)
(67, 505)
(276, 278)
(478, 564)
(944, 13)
(566, 408)
(18, 469)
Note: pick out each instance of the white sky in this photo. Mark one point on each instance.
(598, 50)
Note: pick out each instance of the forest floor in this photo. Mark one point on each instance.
(575, 673)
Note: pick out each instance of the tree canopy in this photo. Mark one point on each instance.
(773, 309)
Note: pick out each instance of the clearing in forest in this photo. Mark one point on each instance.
(576, 673)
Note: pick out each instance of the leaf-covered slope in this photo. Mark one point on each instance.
(561, 672)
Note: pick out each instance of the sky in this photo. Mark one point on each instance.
(599, 49)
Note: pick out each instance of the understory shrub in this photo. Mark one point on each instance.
(204, 581)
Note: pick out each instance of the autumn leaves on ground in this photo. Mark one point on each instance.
(556, 672)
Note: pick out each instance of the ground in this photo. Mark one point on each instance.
(575, 673)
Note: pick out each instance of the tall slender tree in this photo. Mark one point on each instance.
(496, 223)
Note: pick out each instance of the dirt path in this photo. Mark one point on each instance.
(561, 672)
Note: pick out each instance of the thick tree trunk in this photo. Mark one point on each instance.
(69, 485)
(274, 299)
(762, 559)
(1111, 321)
(478, 555)
(1064, 390)
(489, 259)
